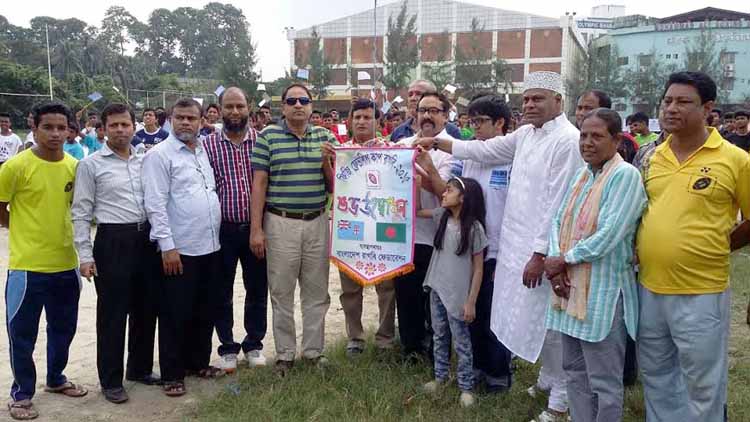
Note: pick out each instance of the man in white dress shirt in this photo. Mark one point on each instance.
(411, 300)
(544, 153)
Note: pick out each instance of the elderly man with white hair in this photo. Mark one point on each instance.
(545, 156)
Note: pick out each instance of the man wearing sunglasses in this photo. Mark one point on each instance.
(288, 225)
(411, 125)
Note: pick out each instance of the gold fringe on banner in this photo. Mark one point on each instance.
(406, 269)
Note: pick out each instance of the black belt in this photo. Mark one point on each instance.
(139, 227)
(236, 226)
(306, 216)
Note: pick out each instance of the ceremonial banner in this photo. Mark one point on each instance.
(372, 236)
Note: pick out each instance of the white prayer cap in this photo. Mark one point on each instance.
(544, 80)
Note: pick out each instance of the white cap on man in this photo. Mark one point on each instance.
(544, 80)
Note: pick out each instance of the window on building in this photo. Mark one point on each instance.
(727, 57)
(620, 107)
(676, 56)
(622, 61)
(645, 59)
(669, 56)
(727, 84)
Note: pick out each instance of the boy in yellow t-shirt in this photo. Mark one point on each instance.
(37, 187)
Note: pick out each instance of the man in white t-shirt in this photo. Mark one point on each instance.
(412, 302)
(30, 141)
(10, 143)
(489, 117)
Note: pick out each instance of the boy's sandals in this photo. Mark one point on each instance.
(22, 410)
(174, 389)
(210, 373)
(68, 389)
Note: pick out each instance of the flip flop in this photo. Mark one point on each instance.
(174, 389)
(68, 389)
(22, 410)
(210, 373)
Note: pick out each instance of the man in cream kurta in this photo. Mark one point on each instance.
(545, 156)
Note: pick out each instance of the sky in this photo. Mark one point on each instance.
(269, 18)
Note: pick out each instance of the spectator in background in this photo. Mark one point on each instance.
(151, 134)
(467, 132)
(728, 126)
(72, 146)
(411, 126)
(714, 119)
(334, 115)
(316, 118)
(741, 135)
(10, 143)
(94, 141)
(330, 124)
(264, 117)
(210, 119)
(30, 142)
(589, 101)
(638, 124)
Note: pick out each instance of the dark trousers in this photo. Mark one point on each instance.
(491, 358)
(413, 306)
(235, 246)
(128, 267)
(630, 371)
(26, 294)
(186, 317)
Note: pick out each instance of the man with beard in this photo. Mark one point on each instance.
(185, 215)
(411, 299)
(230, 153)
(411, 125)
(545, 155)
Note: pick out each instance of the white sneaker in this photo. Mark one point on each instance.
(229, 363)
(433, 386)
(550, 417)
(535, 390)
(467, 399)
(255, 358)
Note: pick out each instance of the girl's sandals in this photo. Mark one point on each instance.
(22, 410)
(174, 389)
(68, 389)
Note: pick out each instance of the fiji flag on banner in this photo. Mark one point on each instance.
(95, 96)
(351, 230)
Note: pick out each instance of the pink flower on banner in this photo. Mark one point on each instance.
(369, 268)
(359, 265)
(381, 267)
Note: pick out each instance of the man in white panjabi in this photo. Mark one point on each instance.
(545, 155)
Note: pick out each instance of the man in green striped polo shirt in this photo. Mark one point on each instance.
(291, 174)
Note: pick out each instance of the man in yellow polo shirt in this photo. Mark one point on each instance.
(695, 182)
(37, 186)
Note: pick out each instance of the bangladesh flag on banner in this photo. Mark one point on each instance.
(391, 232)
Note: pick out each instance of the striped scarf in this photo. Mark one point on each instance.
(573, 230)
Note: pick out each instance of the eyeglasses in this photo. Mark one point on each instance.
(432, 110)
(478, 121)
(290, 101)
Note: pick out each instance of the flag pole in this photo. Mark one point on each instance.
(49, 62)
(374, 67)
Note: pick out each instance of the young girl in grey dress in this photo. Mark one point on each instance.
(453, 279)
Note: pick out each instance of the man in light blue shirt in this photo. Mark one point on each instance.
(183, 209)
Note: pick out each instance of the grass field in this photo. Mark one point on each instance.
(380, 388)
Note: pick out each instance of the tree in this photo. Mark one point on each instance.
(473, 74)
(402, 53)
(597, 68)
(645, 82)
(441, 73)
(320, 71)
(702, 55)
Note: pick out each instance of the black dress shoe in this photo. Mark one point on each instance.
(150, 379)
(115, 395)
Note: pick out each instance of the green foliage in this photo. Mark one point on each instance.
(319, 69)
(703, 55)
(441, 73)
(212, 43)
(401, 54)
(645, 81)
(597, 68)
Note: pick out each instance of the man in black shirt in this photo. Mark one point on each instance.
(741, 135)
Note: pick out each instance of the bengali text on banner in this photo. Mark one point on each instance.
(372, 232)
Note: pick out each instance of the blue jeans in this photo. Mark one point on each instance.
(682, 353)
(26, 294)
(444, 327)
